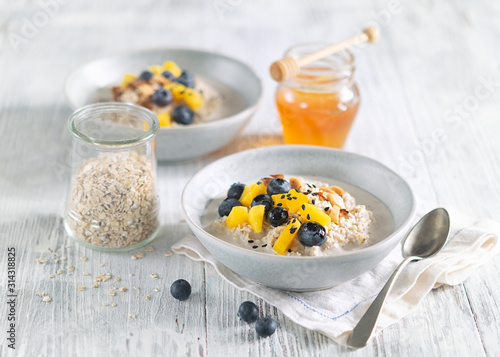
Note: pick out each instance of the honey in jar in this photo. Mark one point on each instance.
(319, 105)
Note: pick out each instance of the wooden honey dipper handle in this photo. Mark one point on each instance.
(289, 67)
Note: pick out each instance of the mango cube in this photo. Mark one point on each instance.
(313, 213)
(280, 200)
(295, 200)
(285, 240)
(165, 120)
(193, 99)
(127, 79)
(254, 190)
(237, 216)
(177, 90)
(172, 67)
(256, 217)
(155, 69)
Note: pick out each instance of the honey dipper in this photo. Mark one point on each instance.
(289, 67)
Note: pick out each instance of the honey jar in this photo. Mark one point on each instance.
(318, 106)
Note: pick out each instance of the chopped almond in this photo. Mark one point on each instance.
(338, 190)
(295, 183)
(335, 200)
(334, 214)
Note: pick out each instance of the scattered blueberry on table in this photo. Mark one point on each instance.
(265, 326)
(180, 289)
(248, 312)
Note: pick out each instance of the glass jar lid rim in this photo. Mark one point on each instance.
(149, 133)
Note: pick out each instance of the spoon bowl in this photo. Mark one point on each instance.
(425, 240)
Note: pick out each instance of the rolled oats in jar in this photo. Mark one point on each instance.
(112, 202)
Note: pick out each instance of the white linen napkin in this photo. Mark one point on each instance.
(334, 312)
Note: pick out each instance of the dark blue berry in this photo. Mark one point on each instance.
(265, 326)
(311, 233)
(186, 78)
(162, 97)
(248, 312)
(265, 200)
(278, 185)
(146, 75)
(180, 289)
(277, 216)
(183, 115)
(168, 75)
(227, 205)
(235, 190)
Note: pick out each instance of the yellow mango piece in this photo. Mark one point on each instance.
(294, 204)
(164, 119)
(127, 79)
(285, 240)
(172, 67)
(237, 216)
(280, 200)
(256, 217)
(245, 192)
(155, 69)
(254, 191)
(177, 90)
(193, 99)
(313, 213)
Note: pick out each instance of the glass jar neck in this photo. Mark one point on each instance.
(328, 73)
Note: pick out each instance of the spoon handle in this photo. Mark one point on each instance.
(365, 327)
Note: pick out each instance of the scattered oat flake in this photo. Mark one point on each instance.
(84, 259)
(68, 247)
(111, 292)
(154, 276)
(148, 249)
(122, 290)
(132, 316)
(86, 273)
(56, 253)
(60, 271)
(102, 264)
(117, 279)
(105, 304)
(113, 304)
(64, 258)
(168, 254)
(131, 274)
(52, 276)
(42, 293)
(81, 288)
(148, 297)
(47, 299)
(56, 261)
(156, 289)
(70, 267)
(95, 285)
(97, 279)
(136, 288)
(41, 261)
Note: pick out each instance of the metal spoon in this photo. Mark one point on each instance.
(425, 240)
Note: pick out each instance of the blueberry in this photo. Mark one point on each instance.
(146, 75)
(180, 289)
(265, 200)
(168, 75)
(162, 97)
(183, 115)
(265, 326)
(248, 312)
(186, 78)
(311, 234)
(235, 190)
(227, 205)
(277, 216)
(278, 185)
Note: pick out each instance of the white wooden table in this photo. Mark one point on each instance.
(430, 102)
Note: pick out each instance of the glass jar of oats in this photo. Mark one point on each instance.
(112, 202)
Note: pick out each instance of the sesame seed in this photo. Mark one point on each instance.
(282, 196)
(294, 197)
(250, 241)
(303, 207)
(289, 250)
(327, 209)
(313, 202)
(255, 246)
(308, 217)
(280, 204)
(264, 245)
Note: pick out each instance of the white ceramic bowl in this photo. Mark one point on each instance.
(289, 272)
(237, 83)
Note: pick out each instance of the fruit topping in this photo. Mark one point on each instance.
(186, 78)
(127, 79)
(250, 192)
(278, 185)
(285, 240)
(313, 213)
(295, 200)
(168, 75)
(180, 289)
(162, 97)
(263, 199)
(311, 234)
(248, 312)
(192, 98)
(236, 190)
(164, 119)
(265, 326)
(183, 115)
(256, 217)
(277, 216)
(172, 67)
(227, 205)
(146, 75)
(238, 216)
